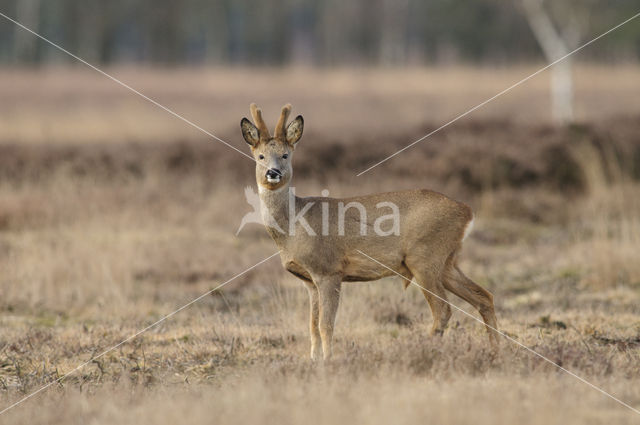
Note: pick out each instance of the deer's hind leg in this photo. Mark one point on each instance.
(427, 276)
(455, 281)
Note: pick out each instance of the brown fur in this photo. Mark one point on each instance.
(426, 247)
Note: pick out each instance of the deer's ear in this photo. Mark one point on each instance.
(294, 130)
(250, 132)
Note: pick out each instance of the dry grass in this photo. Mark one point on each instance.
(608, 221)
(102, 238)
(80, 106)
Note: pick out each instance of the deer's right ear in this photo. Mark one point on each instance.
(250, 132)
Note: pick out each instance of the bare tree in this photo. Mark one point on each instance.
(28, 13)
(555, 45)
(393, 29)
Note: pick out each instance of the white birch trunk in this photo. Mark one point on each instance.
(554, 47)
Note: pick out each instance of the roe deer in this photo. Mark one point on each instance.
(320, 238)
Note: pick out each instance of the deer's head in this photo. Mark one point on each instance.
(273, 155)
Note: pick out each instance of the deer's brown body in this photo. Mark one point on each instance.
(417, 234)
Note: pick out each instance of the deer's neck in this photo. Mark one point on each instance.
(275, 211)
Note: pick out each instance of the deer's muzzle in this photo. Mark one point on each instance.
(273, 175)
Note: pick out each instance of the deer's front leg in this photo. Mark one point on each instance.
(314, 313)
(329, 292)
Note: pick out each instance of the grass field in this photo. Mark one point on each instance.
(114, 214)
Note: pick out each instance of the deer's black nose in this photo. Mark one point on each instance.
(273, 173)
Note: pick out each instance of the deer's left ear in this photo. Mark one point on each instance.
(294, 130)
(250, 132)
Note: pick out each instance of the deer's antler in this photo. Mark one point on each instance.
(256, 113)
(281, 129)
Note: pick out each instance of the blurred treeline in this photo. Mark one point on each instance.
(314, 32)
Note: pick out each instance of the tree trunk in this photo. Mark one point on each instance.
(393, 43)
(26, 44)
(554, 47)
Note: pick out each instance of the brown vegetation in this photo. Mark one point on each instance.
(99, 239)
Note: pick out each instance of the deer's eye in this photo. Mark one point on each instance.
(261, 156)
(285, 156)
